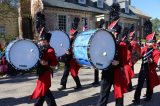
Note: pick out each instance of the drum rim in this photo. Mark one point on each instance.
(61, 31)
(29, 41)
(77, 35)
(88, 48)
(67, 36)
(73, 45)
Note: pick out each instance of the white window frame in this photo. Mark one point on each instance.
(100, 3)
(59, 27)
(82, 1)
(2, 30)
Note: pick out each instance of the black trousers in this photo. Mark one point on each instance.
(66, 74)
(143, 74)
(49, 99)
(104, 94)
(96, 75)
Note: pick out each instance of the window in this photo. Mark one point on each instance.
(82, 1)
(100, 3)
(84, 23)
(2, 30)
(142, 21)
(62, 22)
(1, 1)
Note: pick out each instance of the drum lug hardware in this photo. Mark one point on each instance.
(104, 53)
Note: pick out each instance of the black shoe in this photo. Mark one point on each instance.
(130, 88)
(147, 99)
(144, 95)
(137, 102)
(62, 87)
(78, 87)
(95, 83)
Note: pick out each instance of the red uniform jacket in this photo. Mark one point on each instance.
(122, 77)
(3, 65)
(153, 77)
(74, 66)
(124, 57)
(44, 80)
(129, 58)
(135, 47)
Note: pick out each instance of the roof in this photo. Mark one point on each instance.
(137, 11)
(61, 4)
(129, 16)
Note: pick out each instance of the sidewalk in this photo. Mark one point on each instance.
(16, 91)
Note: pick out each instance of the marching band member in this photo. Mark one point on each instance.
(96, 71)
(46, 63)
(114, 74)
(132, 44)
(70, 64)
(3, 62)
(150, 56)
(127, 67)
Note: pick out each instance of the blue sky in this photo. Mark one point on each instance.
(150, 7)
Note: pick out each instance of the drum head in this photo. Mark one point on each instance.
(102, 49)
(24, 54)
(60, 42)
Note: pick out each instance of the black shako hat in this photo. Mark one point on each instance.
(117, 29)
(46, 36)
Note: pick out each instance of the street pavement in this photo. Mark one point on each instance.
(16, 91)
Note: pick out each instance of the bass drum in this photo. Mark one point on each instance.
(60, 42)
(94, 48)
(22, 54)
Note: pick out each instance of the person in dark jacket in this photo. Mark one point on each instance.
(70, 66)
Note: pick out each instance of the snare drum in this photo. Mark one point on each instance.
(22, 54)
(60, 42)
(94, 47)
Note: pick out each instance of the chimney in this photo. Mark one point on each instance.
(127, 6)
(129, 2)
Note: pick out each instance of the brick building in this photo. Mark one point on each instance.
(59, 14)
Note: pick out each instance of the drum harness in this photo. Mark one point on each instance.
(145, 58)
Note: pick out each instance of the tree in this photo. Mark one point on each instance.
(8, 14)
(8, 9)
(155, 24)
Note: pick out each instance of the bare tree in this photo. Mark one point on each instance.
(8, 9)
